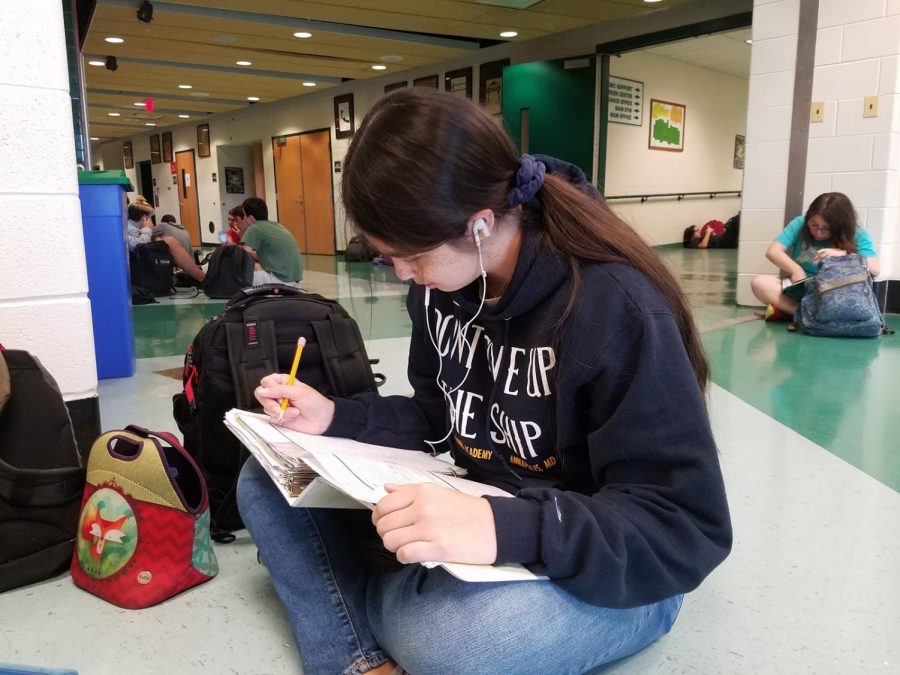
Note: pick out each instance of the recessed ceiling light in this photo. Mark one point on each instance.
(96, 63)
(244, 63)
(749, 41)
(114, 114)
(309, 84)
(185, 86)
(508, 33)
(379, 66)
(149, 124)
(114, 40)
(302, 34)
(94, 138)
(253, 98)
(185, 117)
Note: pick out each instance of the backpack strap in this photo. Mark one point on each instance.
(343, 355)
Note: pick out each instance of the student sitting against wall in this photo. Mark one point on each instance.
(140, 231)
(828, 229)
(273, 248)
(711, 236)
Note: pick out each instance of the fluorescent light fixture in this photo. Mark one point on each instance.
(96, 63)
(140, 103)
(94, 138)
(253, 98)
(149, 124)
(302, 34)
(184, 117)
(309, 84)
(185, 86)
(114, 114)
(508, 34)
(244, 63)
(379, 66)
(112, 39)
(749, 41)
(650, 2)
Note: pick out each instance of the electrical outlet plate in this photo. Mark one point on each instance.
(870, 106)
(817, 111)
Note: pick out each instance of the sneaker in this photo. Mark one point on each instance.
(773, 313)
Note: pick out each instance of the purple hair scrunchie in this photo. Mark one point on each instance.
(529, 180)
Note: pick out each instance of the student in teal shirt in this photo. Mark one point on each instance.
(828, 229)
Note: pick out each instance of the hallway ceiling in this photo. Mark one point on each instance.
(198, 43)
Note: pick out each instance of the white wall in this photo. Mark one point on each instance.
(857, 48)
(315, 110)
(239, 156)
(715, 111)
(43, 279)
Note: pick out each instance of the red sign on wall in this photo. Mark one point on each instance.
(173, 168)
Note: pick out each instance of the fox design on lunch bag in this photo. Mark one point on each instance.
(105, 545)
(840, 300)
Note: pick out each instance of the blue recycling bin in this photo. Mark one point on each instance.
(103, 217)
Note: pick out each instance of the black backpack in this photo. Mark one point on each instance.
(41, 474)
(359, 250)
(230, 269)
(255, 336)
(152, 268)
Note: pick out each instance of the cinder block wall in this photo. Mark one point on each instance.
(857, 55)
(44, 306)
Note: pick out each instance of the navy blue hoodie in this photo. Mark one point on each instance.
(597, 426)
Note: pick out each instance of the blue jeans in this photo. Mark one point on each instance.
(352, 606)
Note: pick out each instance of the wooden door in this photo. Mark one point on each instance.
(318, 201)
(289, 187)
(303, 189)
(188, 204)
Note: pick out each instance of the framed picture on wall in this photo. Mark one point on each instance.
(738, 162)
(234, 180)
(490, 86)
(167, 146)
(396, 85)
(666, 126)
(459, 82)
(429, 81)
(155, 153)
(127, 155)
(344, 123)
(203, 140)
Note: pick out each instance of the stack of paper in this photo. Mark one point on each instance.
(323, 472)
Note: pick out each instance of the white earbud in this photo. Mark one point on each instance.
(479, 230)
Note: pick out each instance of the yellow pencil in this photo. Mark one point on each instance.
(293, 375)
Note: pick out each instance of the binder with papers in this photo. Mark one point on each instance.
(324, 472)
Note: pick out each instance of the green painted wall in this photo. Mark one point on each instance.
(561, 105)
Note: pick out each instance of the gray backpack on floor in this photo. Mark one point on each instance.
(840, 300)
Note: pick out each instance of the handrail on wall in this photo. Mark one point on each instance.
(678, 195)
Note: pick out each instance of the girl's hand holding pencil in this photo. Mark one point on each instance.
(294, 404)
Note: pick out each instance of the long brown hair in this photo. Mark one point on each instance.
(836, 209)
(422, 162)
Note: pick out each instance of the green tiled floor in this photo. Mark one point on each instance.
(839, 393)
